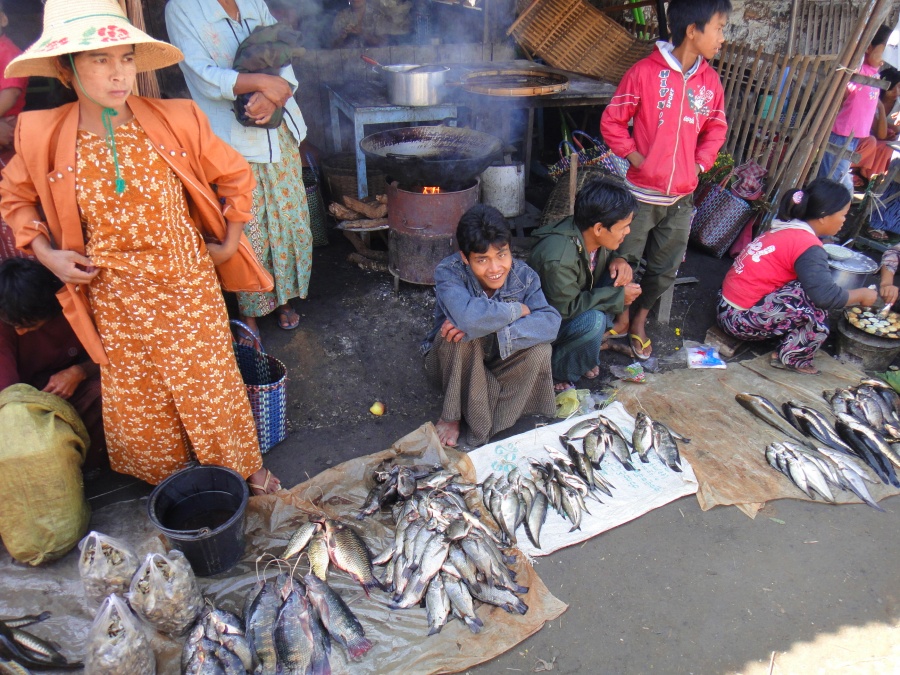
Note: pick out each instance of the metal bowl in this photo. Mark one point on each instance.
(836, 252)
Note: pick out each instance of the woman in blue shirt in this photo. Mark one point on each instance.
(209, 32)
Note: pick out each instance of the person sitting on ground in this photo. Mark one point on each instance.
(780, 285)
(584, 279)
(39, 348)
(489, 350)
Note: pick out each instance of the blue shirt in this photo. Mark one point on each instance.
(209, 39)
(462, 300)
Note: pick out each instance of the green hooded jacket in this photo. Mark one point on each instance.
(561, 260)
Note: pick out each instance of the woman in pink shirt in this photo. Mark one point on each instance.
(856, 113)
(780, 286)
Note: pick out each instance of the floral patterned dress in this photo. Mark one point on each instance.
(172, 387)
(280, 231)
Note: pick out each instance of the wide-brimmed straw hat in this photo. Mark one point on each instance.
(72, 26)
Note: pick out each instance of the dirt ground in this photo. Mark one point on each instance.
(675, 591)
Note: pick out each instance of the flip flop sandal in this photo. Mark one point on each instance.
(284, 319)
(639, 355)
(776, 363)
(264, 488)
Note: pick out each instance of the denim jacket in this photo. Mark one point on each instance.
(209, 39)
(461, 299)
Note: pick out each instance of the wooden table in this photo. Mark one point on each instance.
(367, 103)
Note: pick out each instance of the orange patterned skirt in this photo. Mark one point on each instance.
(172, 387)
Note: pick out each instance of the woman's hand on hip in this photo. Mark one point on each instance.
(221, 253)
(71, 267)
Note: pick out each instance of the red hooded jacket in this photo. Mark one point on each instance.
(679, 121)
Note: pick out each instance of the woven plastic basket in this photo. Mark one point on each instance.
(266, 380)
(318, 220)
(340, 176)
(573, 35)
(557, 206)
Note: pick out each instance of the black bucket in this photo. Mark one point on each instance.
(201, 511)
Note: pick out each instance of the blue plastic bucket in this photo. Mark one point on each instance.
(201, 510)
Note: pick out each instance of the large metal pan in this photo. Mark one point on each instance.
(412, 85)
(446, 157)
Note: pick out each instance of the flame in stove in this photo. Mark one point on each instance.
(431, 190)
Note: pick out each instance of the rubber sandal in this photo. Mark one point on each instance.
(264, 488)
(284, 319)
(776, 363)
(639, 355)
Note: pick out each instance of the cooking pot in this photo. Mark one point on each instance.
(412, 85)
(448, 157)
(853, 272)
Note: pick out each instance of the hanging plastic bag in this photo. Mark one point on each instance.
(164, 591)
(117, 643)
(106, 566)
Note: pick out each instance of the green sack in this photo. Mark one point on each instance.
(44, 510)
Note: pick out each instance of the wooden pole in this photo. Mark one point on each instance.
(792, 31)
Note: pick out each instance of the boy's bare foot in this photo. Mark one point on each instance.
(263, 482)
(448, 432)
(592, 373)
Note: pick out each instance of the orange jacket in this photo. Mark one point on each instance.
(40, 178)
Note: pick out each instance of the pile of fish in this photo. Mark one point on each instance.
(399, 482)
(288, 627)
(844, 454)
(330, 542)
(20, 650)
(568, 479)
(444, 554)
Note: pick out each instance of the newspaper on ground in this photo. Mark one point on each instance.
(636, 492)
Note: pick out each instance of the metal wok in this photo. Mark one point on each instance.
(446, 157)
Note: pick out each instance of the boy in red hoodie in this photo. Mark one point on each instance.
(676, 101)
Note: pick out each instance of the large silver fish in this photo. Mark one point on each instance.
(348, 552)
(338, 619)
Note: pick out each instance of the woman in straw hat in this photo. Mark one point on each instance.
(113, 194)
(209, 33)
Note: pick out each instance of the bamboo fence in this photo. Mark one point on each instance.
(825, 26)
(781, 108)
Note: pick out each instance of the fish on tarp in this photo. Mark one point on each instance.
(461, 603)
(338, 619)
(259, 619)
(765, 410)
(348, 552)
(665, 446)
(871, 446)
(437, 605)
(299, 539)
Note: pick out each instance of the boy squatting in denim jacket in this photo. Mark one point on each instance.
(489, 350)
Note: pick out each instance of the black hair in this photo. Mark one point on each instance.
(820, 198)
(684, 13)
(881, 36)
(603, 200)
(892, 76)
(480, 227)
(27, 292)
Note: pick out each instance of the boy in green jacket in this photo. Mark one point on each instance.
(584, 280)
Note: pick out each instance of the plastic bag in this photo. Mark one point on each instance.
(117, 643)
(164, 591)
(703, 356)
(106, 566)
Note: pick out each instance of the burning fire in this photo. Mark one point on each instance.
(431, 190)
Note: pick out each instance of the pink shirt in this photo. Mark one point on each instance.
(858, 109)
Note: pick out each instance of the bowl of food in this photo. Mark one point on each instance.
(836, 252)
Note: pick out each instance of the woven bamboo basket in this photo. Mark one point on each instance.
(573, 35)
(340, 176)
